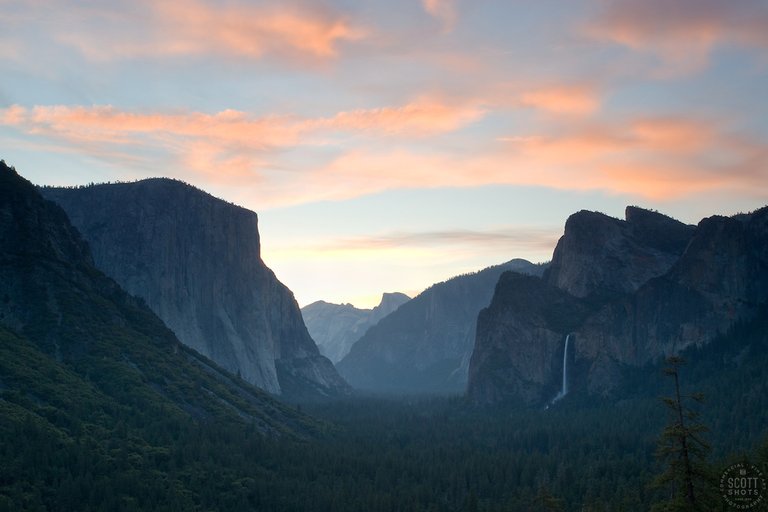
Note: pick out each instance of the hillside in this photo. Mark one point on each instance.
(96, 393)
(196, 261)
(425, 346)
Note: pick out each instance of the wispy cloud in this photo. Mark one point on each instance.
(682, 32)
(511, 240)
(424, 116)
(444, 10)
(176, 28)
(576, 100)
(657, 158)
(230, 143)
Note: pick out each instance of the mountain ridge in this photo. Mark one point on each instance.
(640, 305)
(69, 314)
(425, 346)
(196, 261)
(336, 327)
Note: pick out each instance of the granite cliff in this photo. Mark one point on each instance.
(425, 345)
(518, 351)
(196, 262)
(628, 292)
(336, 327)
(600, 257)
(78, 354)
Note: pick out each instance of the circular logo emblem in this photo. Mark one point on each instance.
(742, 486)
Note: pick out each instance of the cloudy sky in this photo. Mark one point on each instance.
(388, 145)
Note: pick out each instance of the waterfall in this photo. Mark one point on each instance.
(564, 390)
(565, 367)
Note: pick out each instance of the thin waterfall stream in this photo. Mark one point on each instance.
(564, 389)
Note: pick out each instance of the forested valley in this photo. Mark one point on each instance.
(390, 454)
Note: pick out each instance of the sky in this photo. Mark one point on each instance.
(390, 145)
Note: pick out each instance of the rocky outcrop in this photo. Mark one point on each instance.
(632, 291)
(78, 350)
(538, 317)
(336, 327)
(425, 346)
(722, 277)
(601, 257)
(196, 262)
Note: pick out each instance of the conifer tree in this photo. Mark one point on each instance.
(687, 476)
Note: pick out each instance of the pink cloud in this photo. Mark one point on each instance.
(424, 116)
(193, 27)
(513, 238)
(682, 32)
(557, 99)
(653, 157)
(444, 10)
(234, 143)
(575, 100)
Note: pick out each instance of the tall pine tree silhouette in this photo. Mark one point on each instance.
(682, 448)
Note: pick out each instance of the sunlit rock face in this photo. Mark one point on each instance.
(629, 292)
(196, 262)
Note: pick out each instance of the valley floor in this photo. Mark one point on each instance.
(379, 454)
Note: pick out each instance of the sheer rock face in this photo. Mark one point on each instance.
(426, 344)
(103, 351)
(722, 277)
(638, 290)
(602, 257)
(336, 327)
(520, 339)
(196, 262)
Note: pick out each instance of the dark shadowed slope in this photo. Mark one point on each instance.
(196, 261)
(425, 346)
(631, 291)
(61, 313)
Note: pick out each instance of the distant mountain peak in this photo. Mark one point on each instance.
(336, 327)
(425, 345)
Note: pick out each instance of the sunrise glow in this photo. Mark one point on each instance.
(390, 145)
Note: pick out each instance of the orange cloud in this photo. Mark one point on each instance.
(422, 117)
(515, 240)
(536, 239)
(192, 27)
(682, 32)
(674, 135)
(109, 125)
(232, 142)
(444, 10)
(572, 100)
(654, 157)
(577, 100)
